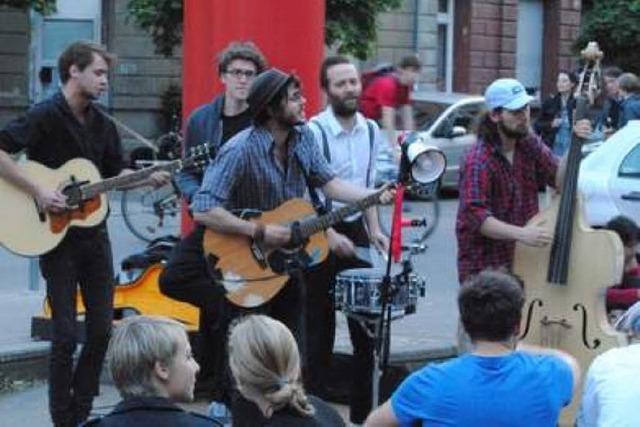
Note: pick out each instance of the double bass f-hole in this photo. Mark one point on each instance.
(596, 342)
(537, 302)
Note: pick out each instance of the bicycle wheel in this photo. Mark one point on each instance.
(152, 212)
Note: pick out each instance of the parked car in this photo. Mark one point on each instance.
(449, 126)
(609, 177)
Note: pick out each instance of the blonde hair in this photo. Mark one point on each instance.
(265, 363)
(138, 342)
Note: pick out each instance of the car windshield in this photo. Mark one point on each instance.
(429, 115)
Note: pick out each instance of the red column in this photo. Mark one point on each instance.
(290, 33)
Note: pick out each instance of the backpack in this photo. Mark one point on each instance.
(379, 70)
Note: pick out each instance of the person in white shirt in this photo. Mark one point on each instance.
(350, 144)
(611, 389)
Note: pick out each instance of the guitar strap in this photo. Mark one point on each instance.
(318, 206)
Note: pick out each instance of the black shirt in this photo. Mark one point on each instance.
(151, 412)
(51, 135)
(247, 414)
(234, 124)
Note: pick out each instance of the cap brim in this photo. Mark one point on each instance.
(519, 102)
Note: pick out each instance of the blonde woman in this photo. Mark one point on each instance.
(265, 364)
(153, 369)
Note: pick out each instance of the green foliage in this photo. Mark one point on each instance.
(162, 18)
(45, 7)
(171, 101)
(615, 25)
(350, 24)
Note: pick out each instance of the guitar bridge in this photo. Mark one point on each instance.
(258, 254)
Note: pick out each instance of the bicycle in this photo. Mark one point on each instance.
(150, 213)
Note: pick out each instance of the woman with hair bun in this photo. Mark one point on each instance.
(265, 364)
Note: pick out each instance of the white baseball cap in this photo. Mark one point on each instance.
(506, 93)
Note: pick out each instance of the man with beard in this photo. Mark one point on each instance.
(350, 144)
(64, 127)
(260, 168)
(499, 182)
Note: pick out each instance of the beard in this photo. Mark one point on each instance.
(343, 109)
(513, 133)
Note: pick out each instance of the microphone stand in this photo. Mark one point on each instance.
(383, 326)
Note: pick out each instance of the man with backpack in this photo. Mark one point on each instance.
(350, 144)
(387, 91)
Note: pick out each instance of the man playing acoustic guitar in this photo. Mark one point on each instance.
(260, 168)
(67, 126)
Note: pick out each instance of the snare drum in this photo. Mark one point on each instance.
(357, 291)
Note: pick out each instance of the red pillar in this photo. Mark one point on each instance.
(290, 33)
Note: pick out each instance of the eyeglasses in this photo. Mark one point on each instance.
(237, 73)
(295, 96)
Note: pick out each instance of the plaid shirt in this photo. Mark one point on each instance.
(491, 186)
(245, 174)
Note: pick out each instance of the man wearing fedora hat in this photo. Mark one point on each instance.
(261, 167)
(499, 182)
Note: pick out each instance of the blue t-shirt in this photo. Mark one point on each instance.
(518, 389)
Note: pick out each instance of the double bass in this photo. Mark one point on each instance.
(566, 282)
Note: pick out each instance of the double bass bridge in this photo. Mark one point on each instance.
(552, 330)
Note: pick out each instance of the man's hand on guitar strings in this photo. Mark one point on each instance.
(51, 200)
(276, 235)
(388, 193)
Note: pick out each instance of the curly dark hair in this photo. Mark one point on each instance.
(490, 305)
(246, 51)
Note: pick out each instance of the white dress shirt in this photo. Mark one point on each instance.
(351, 155)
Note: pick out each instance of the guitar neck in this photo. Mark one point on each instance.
(312, 226)
(91, 190)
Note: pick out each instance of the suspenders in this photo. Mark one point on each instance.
(327, 153)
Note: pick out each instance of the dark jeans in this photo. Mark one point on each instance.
(83, 258)
(187, 278)
(321, 327)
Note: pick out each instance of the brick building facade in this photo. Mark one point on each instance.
(464, 44)
(486, 34)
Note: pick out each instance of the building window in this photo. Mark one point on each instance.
(444, 47)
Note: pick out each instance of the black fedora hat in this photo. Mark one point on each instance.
(265, 87)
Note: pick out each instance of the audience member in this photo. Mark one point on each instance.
(556, 117)
(611, 388)
(612, 109)
(630, 91)
(627, 292)
(152, 367)
(493, 385)
(265, 364)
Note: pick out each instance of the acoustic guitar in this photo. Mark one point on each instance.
(27, 230)
(251, 273)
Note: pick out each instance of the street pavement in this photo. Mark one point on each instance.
(427, 334)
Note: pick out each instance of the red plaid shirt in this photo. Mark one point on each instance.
(491, 186)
